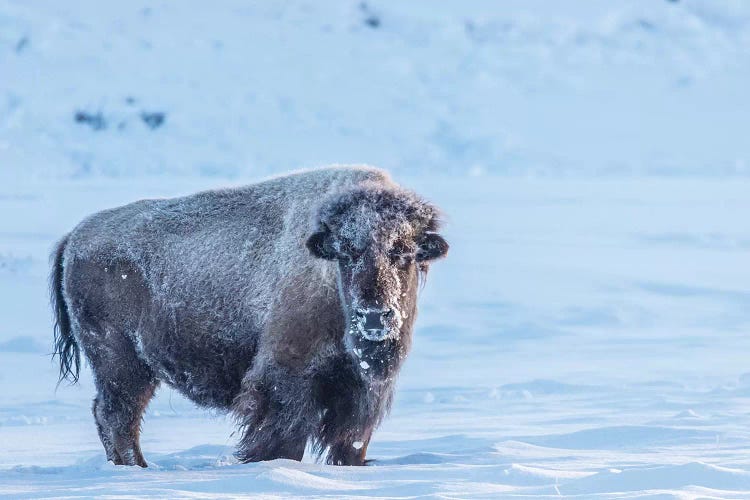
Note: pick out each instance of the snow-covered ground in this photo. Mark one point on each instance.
(589, 334)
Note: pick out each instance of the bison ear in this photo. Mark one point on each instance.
(432, 246)
(320, 245)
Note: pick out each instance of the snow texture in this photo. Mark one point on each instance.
(586, 338)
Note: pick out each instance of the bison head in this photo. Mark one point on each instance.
(382, 239)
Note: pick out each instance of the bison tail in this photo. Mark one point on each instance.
(66, 347)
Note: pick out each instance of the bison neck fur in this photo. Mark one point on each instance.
(290, 303)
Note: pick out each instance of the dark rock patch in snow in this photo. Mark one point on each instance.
(22, 44)
(371, 20)
(154, 119)
(121, 118)
(94, 120)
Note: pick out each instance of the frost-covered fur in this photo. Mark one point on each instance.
(289, 302)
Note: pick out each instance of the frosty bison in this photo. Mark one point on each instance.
(289, 303)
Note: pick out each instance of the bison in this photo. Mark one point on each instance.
(289, 303)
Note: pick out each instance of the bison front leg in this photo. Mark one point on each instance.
(348, 452)
(268, 432)
(266, 444)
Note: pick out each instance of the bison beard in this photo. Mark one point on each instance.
(290, 303)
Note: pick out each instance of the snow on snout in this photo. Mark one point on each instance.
(390, 330)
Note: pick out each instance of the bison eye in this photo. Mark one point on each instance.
(321, 246)
(401, 255)
(403, 260)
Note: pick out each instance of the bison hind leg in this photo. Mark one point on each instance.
(125, 386)
(107, 303)
(118, 419)
(105, 435)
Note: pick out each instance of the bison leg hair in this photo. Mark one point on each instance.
(269, 444)
(267, 432)
(105, 303)
(348, 453)
(125, 385)
(350, 416)
(118, 420)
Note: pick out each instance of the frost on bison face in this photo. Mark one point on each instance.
(289, 303)
(382, 242)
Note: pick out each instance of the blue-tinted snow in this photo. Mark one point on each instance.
(588, 335)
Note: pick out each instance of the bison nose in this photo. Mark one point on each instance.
(374, 319)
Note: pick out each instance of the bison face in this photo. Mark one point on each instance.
(382, 239)
(378, 280)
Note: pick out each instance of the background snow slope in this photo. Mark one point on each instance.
(588, 335)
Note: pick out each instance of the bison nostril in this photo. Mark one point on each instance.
(360, 316)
